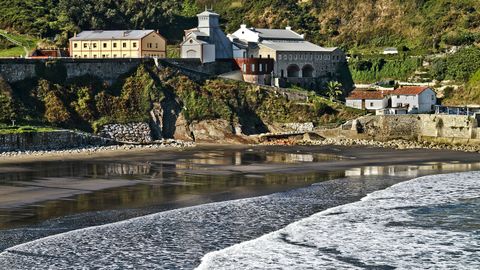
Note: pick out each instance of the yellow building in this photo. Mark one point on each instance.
(118, 44)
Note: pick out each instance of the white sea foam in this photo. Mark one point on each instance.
(411, 225)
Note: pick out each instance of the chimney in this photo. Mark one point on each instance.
(75, 34)
(243, 26)
(124, 33)
(288, 28)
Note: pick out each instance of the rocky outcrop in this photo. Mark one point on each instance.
(182, 129)
(132, 132)
(217, 131)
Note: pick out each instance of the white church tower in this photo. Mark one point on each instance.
(207, 41)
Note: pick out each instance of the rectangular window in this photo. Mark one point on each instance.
(124, 56)
(94, 56)
(85, 56)
(253, 67)
(124, 45)
(244, 68)
(260, 67)
(156, 45)
(85, 45)
(114, 56)
(134, 44)
(103, 56)
(371, 104)
(75, 45)
(114, 45)
(94, 45)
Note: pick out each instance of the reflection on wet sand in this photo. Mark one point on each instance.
(412, 170)
(35, 192)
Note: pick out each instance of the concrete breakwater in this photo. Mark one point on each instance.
(54, 140)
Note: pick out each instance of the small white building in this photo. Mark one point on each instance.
(391, 50)
(367, 100)
(417, 99)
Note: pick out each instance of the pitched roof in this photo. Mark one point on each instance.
(367, 94)
(112, 34)
(208, 13)
(295, 46)
(410, 90)
(265, 33)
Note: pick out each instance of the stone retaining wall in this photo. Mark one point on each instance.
(412, 127)
(13, 70)
(132, 132)
(55, 140)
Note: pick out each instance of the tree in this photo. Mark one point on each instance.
(334, 89)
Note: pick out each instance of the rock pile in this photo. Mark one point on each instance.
(131, 133)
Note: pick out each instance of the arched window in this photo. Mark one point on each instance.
(293, 71)
(307, 71)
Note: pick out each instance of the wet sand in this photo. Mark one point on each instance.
(342, 158)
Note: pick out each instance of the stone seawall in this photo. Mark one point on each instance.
(128, 133)
(14, 70)
(413, 127)
(54, 140)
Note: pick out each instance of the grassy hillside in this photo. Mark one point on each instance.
(420, 25)
(17, 47)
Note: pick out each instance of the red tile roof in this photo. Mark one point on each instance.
(410, 90)
(362, 94)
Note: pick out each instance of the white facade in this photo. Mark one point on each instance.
(367, 104)
(416, 103)
(206, 42)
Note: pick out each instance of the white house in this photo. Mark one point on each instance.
(206, 42)
(367, 100)
(417, 99)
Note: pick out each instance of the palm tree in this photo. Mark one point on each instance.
(334, 89)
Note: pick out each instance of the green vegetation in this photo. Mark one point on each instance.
(469, 94)
(4, 129)
(369, 69)
(86, 103)
(459, 66)
(17, 49)
(417, 25)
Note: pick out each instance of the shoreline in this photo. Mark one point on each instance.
(94, 152)
(91, 152)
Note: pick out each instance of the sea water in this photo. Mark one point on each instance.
(431, 222)
(428, 222)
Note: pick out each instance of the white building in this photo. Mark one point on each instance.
(367, 100)
(416, 99)
(206, 42)
(388, 51)
(295, 59)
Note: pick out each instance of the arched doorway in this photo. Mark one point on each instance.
(293, 71)
(307, 71)
(192, 54)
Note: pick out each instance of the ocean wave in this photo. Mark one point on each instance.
(428, 222)
(178, 239)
